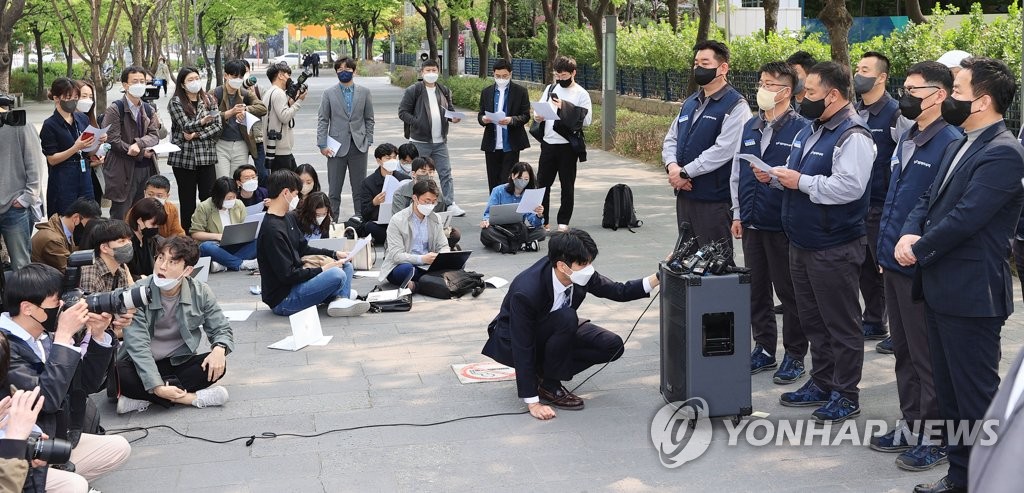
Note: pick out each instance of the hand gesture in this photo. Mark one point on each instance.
(904, 250)
(456, 120)
(539, 211)
(736, 229)
(20, 412)
(761, 175)
(505, 121)
(83, 142)
(134, 150)
(327, 152)
(485, 224)
(379, 199)
(487, 120)
(674, 179)
(70, 322)
(787, 177)
(214, 364)
(429, 258)
(170, 392)
(97, 323)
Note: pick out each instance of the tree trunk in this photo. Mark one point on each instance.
(504, 50)
(368, 34)
(184, 18)
(703, 27)
(431, 20)
(95, 46)
(771, 17)
(137, 13)
(594, 17)
(330, 59)
(914, 12)
(203, 49)
(218, 61)
(838, 20)
(37, 36)
(673, 14)
(68, 50)
(10, 12)
(453, 46)
(483, 44)
(551, 20)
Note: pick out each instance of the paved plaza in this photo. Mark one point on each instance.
(396, 368)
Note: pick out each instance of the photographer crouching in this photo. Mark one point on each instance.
(49, 359)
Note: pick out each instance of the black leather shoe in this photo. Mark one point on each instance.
(943, 485)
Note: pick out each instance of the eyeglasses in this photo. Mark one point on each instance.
(909, 89)
(767, 85)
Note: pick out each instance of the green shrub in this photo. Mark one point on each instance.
(656, 46)
(26, 82)
(372, 69)
(466, 90)
(750, 52)
(404, 76)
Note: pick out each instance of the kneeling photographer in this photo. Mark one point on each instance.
(50, 360)
(160, 363)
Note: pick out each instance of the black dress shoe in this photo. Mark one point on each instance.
(943, 485)
(561, 398)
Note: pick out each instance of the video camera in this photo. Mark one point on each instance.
(152, 93)
(12, 117)
(116, 301)
(293, 89)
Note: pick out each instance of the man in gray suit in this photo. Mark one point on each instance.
(346, 115)
(995, 468)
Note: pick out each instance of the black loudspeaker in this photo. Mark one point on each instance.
(705, 341)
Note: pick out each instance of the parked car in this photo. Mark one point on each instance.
(324, 62)
(292, 59)
(47, 57)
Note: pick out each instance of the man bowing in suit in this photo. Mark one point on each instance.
(346, 115)
(538, 331)
(504, 138)
(958, 236)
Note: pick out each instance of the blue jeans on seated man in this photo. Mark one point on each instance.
(326, 286)
(403, 273)
(230, 256)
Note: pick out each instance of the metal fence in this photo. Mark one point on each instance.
(664, 85)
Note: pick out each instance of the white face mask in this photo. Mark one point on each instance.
(228, 204)
(251, 185)
(293, 203)
(502, 83)
(84, 105)
(320, 219)
(137, 90)
(582, 276)
(431, 77)
(390, 165)
(166, 284)
(235, 84)
(307, 188)
(406, 167)
(162, 201)
(426, 209)
(194, 86)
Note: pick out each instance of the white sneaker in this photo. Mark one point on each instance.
(342, 307)
(127, 405)
(456, 211)
(563, 227)
(215, 267)
(213, 396)
(353, 294)
(251, 264)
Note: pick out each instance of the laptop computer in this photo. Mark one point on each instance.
(235, 234)
(201, 272)
(450, 261)
(336, 244)
(505, 214)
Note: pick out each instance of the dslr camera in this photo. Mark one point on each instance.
(53, 451)
(117, 301)
(293, 89)
(11, 117)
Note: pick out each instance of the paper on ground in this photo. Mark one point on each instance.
(454, 114)
(495, 282)
(545, 109)
(532, 198)
(757, 162)
(306, 331)
(165, 148)
(250, 120)
(333, 145)
(237, 315)
(96, 134)
(496, 116)
(366, 273)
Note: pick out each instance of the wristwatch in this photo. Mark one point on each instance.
(683, 174)
(220, 344)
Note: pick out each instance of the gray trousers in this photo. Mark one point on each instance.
(825, 285)
(355, 164)
(710, 221)
(871, 287)
(909, 330)
(136, 190)
(766, 254)
(439, 153)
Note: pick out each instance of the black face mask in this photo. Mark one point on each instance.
(955, 111)
(812, 110)
(703, 76)
(50, 325)
(910, 106)
(77, 234)
(862, 84)
(149, 233)
(565, 82)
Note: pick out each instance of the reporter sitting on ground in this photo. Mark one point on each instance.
(371, 195)
(18, 412)
(313, 216)
(415, 237)
(423, 170)
(110, 240)
(538, 330)
(526, 233)
(160, 363)
(309, 180)
(43, 354)
(55, 240)
(212, 215)
(159, 187)
(249, 190)
(287, 286)
(145, 219)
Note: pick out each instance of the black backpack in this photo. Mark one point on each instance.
(504, 238)
(451, 284)
(618, 209)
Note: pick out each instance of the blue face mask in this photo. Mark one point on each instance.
(345, 77)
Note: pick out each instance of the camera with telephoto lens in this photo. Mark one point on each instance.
(119, 300)
(249, 83)
(293, 89)
(53, 451)
(11, 117)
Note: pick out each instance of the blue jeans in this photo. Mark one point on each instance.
(16, 228)
(261, 164)
(403, 273)
(326, 286)
(439, 153)
(230, 256)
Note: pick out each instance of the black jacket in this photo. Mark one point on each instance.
(415, 112)
(517, 106)
(526, 306)
(280, 247)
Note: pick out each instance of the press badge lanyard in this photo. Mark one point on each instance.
(81, 158)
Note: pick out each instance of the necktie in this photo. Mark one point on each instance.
(568, 297)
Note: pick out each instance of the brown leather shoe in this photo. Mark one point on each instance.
(561, 399)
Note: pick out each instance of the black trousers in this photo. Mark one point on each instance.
(825, 285)
(189, 375)
(191, 181)
(766, 254)
(565, 345)
(286, 161)
(965, 364)
(909, 333)
(1018, 261)
(710, 221)
(499, 166)
(558, 159)
(871, 287)
(379, 232)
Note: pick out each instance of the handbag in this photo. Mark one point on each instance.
(389, 303)
(537, 128)
(363, 259)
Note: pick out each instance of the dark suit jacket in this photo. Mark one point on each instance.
(414, 111)
(966, 226)
(517, 106)
(54, 380)
(996, 468)
(527, 304)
